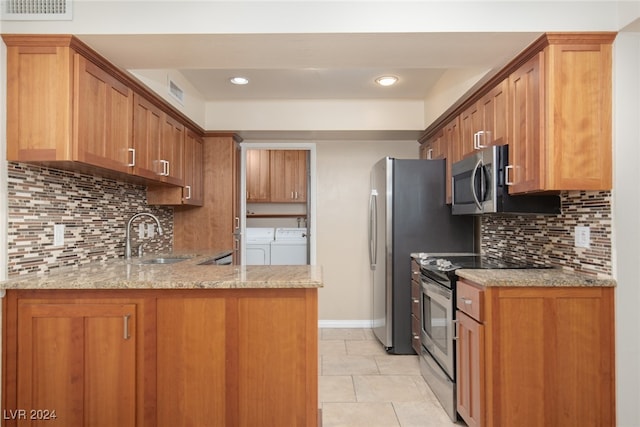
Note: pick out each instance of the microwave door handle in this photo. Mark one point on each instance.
(473, 184)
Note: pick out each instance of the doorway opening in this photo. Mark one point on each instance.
(289, 212)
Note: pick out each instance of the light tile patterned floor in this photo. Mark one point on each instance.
(362, 385)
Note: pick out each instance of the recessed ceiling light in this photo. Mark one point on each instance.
(239, 80)
(386, 80)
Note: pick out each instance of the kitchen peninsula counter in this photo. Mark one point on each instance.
(545, 277)
(189, 273)
(129, 343)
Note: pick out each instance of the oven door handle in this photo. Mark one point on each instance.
(437, 291)
(473, 184)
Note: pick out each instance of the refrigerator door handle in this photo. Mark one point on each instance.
(373, 228)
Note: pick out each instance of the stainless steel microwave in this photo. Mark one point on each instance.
(478, 186)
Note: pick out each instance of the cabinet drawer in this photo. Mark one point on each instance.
(470, 299)
(415, 333)
(415, 300)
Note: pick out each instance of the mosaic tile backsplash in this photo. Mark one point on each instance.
(93, 210)
(549, 239)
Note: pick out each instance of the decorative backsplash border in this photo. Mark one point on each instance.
(549, 239)
(94, 211)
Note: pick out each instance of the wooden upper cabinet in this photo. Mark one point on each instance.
(103, 117)
(552, 106)
(69, 107)
(147, 132)
(563, 96)
(172, 151)
(63, 107)
(526, 152)
(435, 147)
(485, 122)
(288, 176)
(452, 140)
(193, 191)
(258, 175)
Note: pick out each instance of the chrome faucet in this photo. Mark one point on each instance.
(127, 245)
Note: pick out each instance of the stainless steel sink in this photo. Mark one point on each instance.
(162, 260)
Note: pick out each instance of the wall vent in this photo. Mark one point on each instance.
(176, 92)
(36, 10)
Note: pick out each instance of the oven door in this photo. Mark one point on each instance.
(437, 324)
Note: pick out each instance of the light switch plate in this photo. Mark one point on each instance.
(582, 237)
(58, 235)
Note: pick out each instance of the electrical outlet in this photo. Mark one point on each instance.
(582, 237)
(58, 235)
(151, 230)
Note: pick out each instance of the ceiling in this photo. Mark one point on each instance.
(311, 66)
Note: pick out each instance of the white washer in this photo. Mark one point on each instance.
(258, 249)
(289, 246)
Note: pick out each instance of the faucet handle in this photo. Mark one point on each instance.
(141, 250)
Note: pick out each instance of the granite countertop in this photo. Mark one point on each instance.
(187, 274)
(550, 277)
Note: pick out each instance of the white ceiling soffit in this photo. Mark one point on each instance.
(311, 66)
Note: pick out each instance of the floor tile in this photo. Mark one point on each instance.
(372, 414)
(361, 385)
(421, 414)
(337, 388)
(365, 348)
(342, 334)
(398, 365)
(386, 388)
(332, 347)
(349, 365)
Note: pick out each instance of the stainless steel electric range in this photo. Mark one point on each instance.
(438, 316)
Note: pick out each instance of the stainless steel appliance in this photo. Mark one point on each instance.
(438, 305)
(479, 185)
(407, 213)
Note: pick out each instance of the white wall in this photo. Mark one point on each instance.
(626, 221)
(315, 115)
(342, 211)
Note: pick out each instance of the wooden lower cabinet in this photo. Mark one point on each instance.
(219, 357)
(74, 361)
(539, 356)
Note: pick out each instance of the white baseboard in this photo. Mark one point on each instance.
(344, 323)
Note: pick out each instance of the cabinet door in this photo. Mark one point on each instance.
(103, 118)
(191, 365)
(280, 389)
(79, 360)
(258, 176)
(434, 147)
(452, 148)
(470, 122)
(147, 131)
(193, 192)
(470, 387)
(39, 82)
(300, 180)
(288, 172)
(526, 148)
(495, 116)
(172, 151)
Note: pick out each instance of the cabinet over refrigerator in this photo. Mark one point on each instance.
(407, 213)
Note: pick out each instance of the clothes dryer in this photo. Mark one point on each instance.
(258, 249)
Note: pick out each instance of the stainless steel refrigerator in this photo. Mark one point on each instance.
(407, 213)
